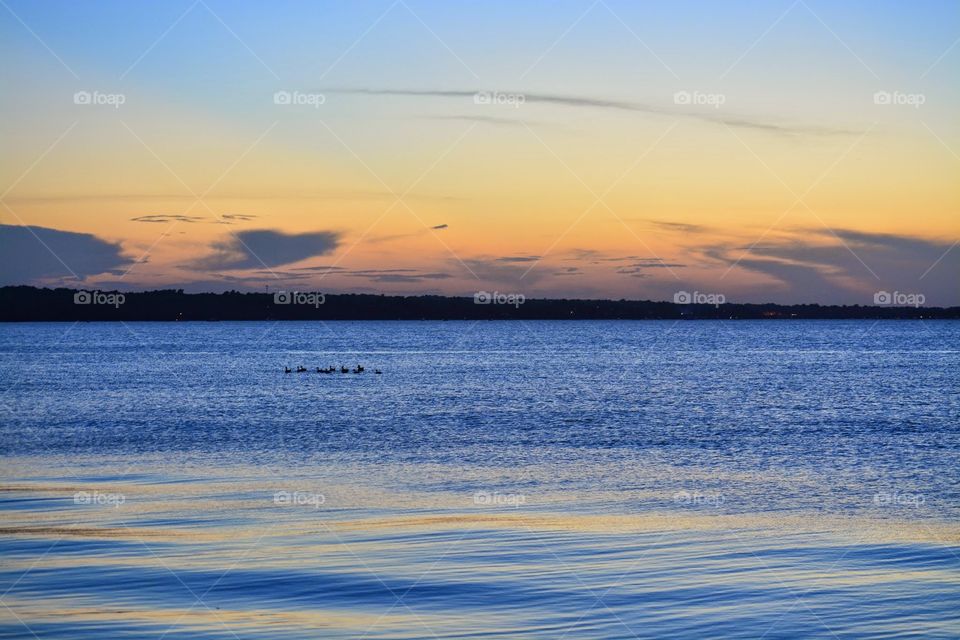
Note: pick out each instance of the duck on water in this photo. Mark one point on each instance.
(342, 369)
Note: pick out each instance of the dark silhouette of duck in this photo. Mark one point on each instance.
(331, 369)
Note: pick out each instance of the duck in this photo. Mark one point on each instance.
(377, 371)
(301, 369)
(343, 369)
(359, 368)
(287, 370)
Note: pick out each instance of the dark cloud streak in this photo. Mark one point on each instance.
(616, 105)
(267, 248)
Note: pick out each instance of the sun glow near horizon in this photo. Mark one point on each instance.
(788, 152)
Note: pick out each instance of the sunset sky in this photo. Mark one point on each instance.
(617, 149)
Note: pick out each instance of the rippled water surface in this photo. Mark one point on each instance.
(498, 480)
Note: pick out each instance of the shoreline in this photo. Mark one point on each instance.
(31, 304)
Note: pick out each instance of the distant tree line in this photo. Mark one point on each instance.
(32, 304)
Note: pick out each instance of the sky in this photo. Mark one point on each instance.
(781, 151)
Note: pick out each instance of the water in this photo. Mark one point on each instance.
(498, 480)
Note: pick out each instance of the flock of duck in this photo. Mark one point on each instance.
(340, 369)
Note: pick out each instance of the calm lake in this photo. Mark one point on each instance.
(691, 479)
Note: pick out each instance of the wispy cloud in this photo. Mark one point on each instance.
(401, 236)
(319, 268)
(396, 275)
(227, 218)
(640, 267)
(681, 227)
(593, 256)
(517, 259)
(232, 218)
(401, 275)
(163, 218)
(719, 118)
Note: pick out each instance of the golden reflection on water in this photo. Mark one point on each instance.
(227, 521)
(237, 620)
(225, 515)
(231, 525)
